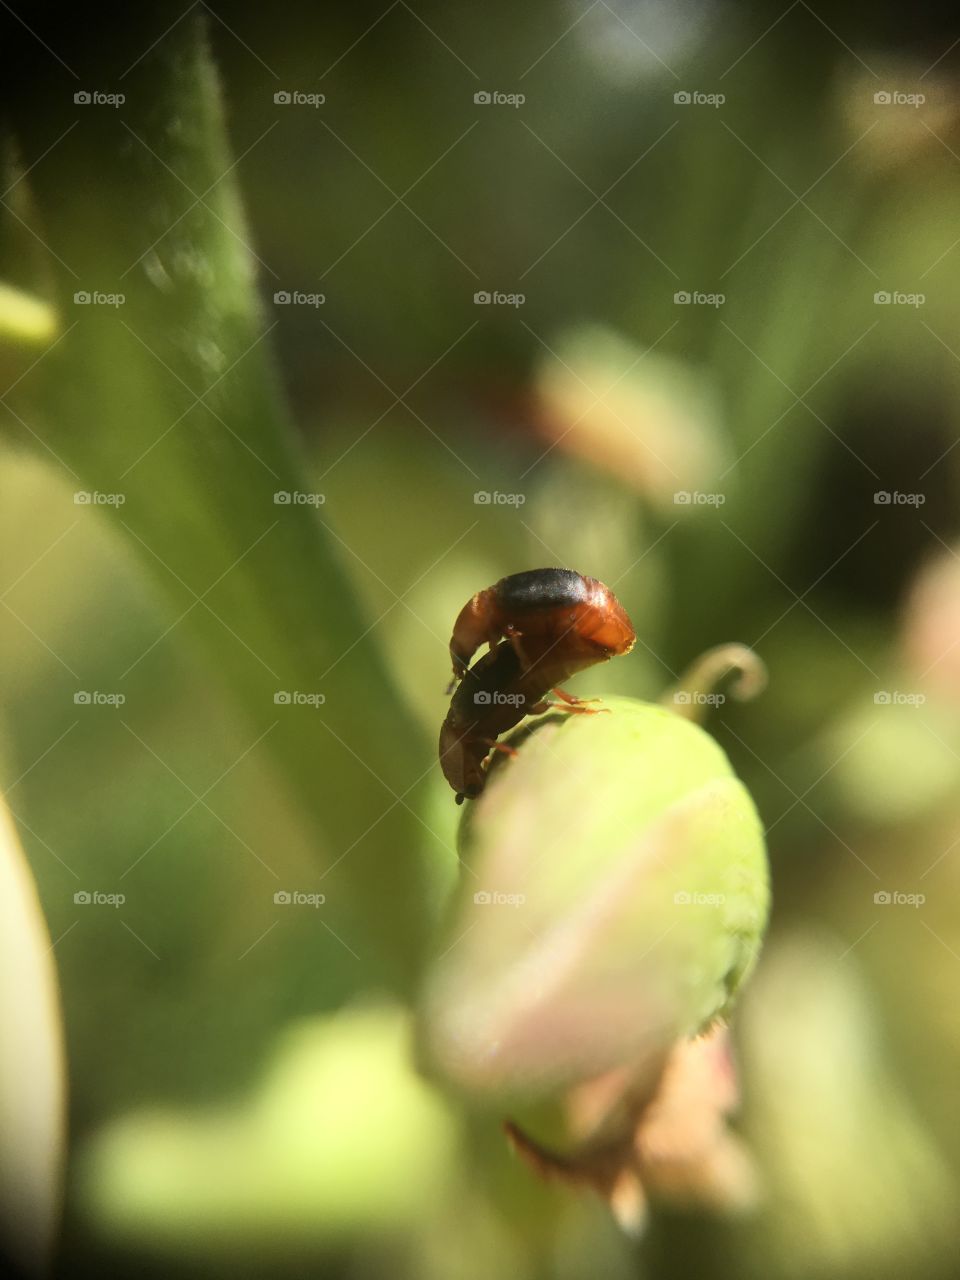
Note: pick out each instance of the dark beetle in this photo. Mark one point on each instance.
(542, 626)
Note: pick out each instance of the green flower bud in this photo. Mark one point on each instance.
(614, 896)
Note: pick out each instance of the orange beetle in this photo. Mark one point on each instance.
(580, 614)
(542, 626)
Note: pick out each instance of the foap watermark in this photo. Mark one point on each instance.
(297, 298)
(294, 498)
(694, 498)
(494, 898)
(897, 298)
(296, 698)
(894, 498)
(894, 898)
(498, 699)
(97, 698)
(697, 98)
(694, 298)
(494, 98)
(697, 698)
(494, 498)
(95, 898)
(96, 298)
(898, 698)
(685, 898)
(97, 98)
(94, 498)
(297, 898)
(898, 98)
(496, 298)
(297, 98)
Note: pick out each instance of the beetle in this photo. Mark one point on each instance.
(578, 615)
(542, 626)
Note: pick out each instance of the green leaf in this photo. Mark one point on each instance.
(168, 399)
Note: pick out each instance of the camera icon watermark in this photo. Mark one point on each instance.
(894, 498)
(84, 898)
(898, 698)
(298, 298)
(697, 298)
(498, 699)
(296, 698)
(295, 498)
(897, 298)
(96, 698)
(497, 298)
(697, 698)
(94, 498)
(694, 498)
(494, 98)
(688, 898)
(493, 898)
(296, 98)
(96, 298)
(494, 498)
(297, 898)
(96, 98)
(696, 98)
(897, 98)
(894, 898)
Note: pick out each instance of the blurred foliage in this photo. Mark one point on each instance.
(32, 1067)
(200, 798)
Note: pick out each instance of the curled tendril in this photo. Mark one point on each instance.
(690, 696)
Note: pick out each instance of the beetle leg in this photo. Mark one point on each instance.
(500, 746)
(460, 668)
(512, 634)
(574, 706)
(571, 699)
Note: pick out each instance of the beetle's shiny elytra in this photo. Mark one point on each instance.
(556, 604)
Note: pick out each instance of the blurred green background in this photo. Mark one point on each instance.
(730, 390)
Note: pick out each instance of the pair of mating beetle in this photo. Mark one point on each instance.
(542, 626)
